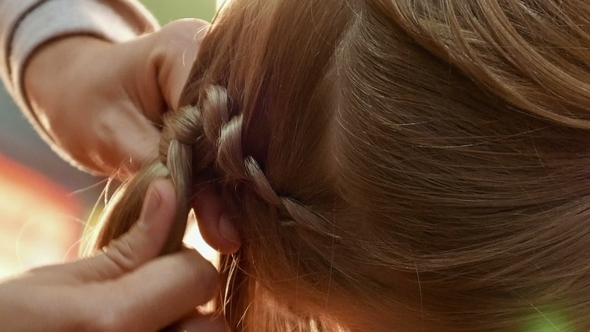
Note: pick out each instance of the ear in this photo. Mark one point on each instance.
(217, 227)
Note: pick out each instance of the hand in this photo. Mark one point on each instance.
(125, 288)
(100, 102)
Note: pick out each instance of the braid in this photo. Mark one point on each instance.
(246, 187)
(230, 151)
(235, 167)
(187, 149)
(199, 142)
(183, 142)
(291, 212)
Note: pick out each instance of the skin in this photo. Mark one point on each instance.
(124, 288)
(126, 89)
(101, 104)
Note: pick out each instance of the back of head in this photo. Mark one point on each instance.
(393, 165)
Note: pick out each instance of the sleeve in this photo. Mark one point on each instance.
(26, 25)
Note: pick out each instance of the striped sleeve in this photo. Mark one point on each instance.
(25, 25)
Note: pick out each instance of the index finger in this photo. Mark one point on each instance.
(125, 142)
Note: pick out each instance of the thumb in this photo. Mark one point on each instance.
(182, 43)
(141, 244)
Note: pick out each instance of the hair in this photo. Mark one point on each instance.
(422, 163)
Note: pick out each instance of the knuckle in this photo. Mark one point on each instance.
(105, 131)
(86, 149)
(121, 253)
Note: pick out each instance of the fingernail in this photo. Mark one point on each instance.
(151, 203)
(228, 229)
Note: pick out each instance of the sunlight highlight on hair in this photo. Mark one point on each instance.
(549, 321)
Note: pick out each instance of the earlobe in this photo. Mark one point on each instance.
(216, 225)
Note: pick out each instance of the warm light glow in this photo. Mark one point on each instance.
(38, 220)
(220, 2)
(193, 239)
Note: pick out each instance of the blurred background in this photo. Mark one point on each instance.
(44, 202)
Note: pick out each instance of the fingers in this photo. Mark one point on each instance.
(217, 227)
(159, 293)
(118, 142)
(124, 141)
(142, 292)
(154, 71)
(113, 129)
(141, 244)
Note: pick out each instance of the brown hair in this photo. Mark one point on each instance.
(422, 163)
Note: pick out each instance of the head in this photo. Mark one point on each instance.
(391, 165)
